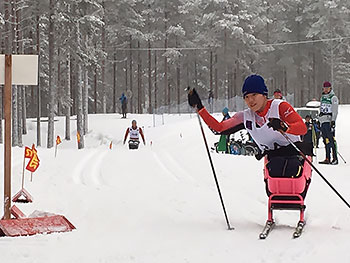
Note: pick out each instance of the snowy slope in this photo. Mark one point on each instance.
(160, 204)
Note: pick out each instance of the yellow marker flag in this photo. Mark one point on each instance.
(78, 137)
(58, 140)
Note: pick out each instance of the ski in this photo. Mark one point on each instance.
(267, 229)
(299, 229)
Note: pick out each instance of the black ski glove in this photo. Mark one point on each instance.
(194, 100)
(277, 125)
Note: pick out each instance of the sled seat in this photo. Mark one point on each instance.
(287, 193)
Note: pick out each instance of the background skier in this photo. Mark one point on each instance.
(327, 118)
(134, 133)
(277, 94)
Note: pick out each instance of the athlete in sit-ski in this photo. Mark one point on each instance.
(134, 132)
(264, 119)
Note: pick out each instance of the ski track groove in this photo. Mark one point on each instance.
(163, 166)
(175, 165)
(95, 172)
(79, 175)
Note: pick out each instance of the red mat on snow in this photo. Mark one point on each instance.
(32, 226)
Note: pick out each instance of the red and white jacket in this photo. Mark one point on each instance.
(256, 124)
(134, 134)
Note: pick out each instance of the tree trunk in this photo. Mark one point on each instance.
(52, 90)
(86, 102)
(155, 82)
(126, 72)
(79, 95)
(68, 94)
(38, 95)
(19, 115)
(14, 116)
(22, 114)
(15, 88)
(95, 89)
(79, 105)
(226, 66)
(7, 26)
(166, 88)
(178, 87)
(216, 77)
(314, 84)
(114, 82)
(59, 106)
(149, 78)
(139, 89)
(211, 71)
(195, 71)
(103, 69)
(72, 83)
(131, 77)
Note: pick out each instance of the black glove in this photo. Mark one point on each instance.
(194, 100)
(259, 155)
(277, 124)
(332, 124)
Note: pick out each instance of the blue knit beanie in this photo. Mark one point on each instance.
(225, 110)
(254, 84)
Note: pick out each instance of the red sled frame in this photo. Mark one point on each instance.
(286, 192)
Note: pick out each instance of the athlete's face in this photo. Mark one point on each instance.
(133, 124)
(327, 90)
(255, 101)
(277, 96)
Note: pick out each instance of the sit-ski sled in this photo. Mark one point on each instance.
(286, 193)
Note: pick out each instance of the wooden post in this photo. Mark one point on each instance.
(7, 149)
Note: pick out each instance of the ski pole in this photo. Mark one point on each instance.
(319, 173)
(341, 156)
(336, 148)
(216, 179)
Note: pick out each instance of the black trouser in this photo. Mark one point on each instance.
(328, 139)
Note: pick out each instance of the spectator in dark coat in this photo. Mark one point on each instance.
(124, 102)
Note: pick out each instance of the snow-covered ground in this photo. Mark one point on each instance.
(160, 204)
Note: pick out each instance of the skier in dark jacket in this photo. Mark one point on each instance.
(309, 136)
(124, 102)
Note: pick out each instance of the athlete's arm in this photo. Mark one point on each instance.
(295, 123)
(142, 136)
(229, 126)
(126, 135)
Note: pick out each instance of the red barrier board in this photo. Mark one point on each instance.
(32, 226)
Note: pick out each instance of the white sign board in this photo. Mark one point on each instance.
(24, 69)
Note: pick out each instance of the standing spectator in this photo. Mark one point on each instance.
(309, 136)
(124, 101)
(277, 94)
(223, 144)
(317, 130)
(225, 114)
(327, 118)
